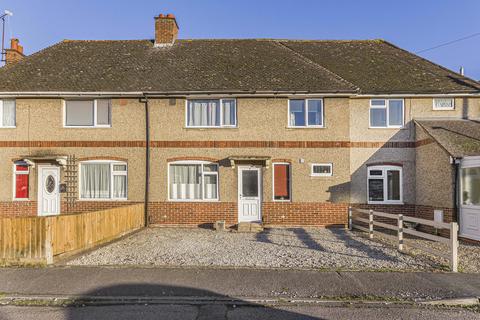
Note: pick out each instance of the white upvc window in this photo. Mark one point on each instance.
(443, 104)
(386, 113)
(321, 170)
(7, 113)
(193, 181)
(385, 185)
(21, 172)
(305, 113)
(95, 113)
(103, 180)
(211, 113)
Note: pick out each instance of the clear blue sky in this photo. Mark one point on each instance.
(411, 24)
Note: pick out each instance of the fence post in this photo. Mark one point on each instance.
(454, 246)
(370, 224)
(48, 241)
(400, 232)
(350, 227)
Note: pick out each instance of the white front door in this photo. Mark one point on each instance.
(48, 190)
(470, 198)
(249, 194)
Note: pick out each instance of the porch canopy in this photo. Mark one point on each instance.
(264, 160)
(60, 160)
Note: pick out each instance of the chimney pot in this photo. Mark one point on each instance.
(166, 30)
(15, 53)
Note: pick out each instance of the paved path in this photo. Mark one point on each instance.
(161, 282)
(185, 312)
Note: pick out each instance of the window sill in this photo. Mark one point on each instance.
(185, 200)
(283, 201)
(306, 127)
(8, 127)
(87, 127)
(101, 200)
(208, 128)
(386, 203)
(388, 128)
(20, 200)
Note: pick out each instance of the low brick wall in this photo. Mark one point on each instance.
(29, 208)
(305, 213)
(192, 213)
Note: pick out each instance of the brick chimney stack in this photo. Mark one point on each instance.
(166, 30)
(15, 53)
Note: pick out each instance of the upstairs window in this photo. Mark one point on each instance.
(193, 181)
(211, 113)
(7, 113)
(88, 113)
(21, 173)
(443, 104)
(281, 182)
(386, 113)
(385, 185)
(305, 113)
(103, 180)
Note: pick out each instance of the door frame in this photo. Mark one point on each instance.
(40, 182)
(260, 190)
(467, 162)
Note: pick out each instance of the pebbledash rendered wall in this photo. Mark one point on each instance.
(346, 141)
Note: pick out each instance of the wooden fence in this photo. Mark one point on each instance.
(452, 242)
(41, 240)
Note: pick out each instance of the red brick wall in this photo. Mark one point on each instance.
(192, 213)
(29, 208)
(304, 213)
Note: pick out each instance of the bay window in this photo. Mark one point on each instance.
(211, 113)
(88, 113)
(21, 173)
(386, 113)
(103, 180)
(193, 181)
(305, 113)
(281, 182)
(384, 184)
(7, 113)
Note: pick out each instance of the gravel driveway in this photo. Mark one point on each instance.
(295, 248)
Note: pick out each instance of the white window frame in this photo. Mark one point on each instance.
(220, 100)
(443, 109)
(313, 174)
(15, 172)
(1, 114)
(289, 180)
(95, 125)
(196, 162)
(386, 107)
(384, 169)
(322, 111)
(112, 174)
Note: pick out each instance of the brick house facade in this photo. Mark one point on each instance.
(283, 132)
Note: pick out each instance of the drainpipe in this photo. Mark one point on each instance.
(456, 186)
(147, 157)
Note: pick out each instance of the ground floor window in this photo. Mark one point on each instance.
(20, 187)
(103, 180)
(385, 184)
(281, 182)
(193, 181)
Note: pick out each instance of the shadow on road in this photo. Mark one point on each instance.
(146, 301)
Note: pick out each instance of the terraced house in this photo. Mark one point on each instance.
(282, 132)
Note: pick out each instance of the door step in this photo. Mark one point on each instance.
(249, 227)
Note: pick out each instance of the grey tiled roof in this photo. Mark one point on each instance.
(230, 65)
(459, 137)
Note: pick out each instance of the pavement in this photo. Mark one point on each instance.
(236, 283)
